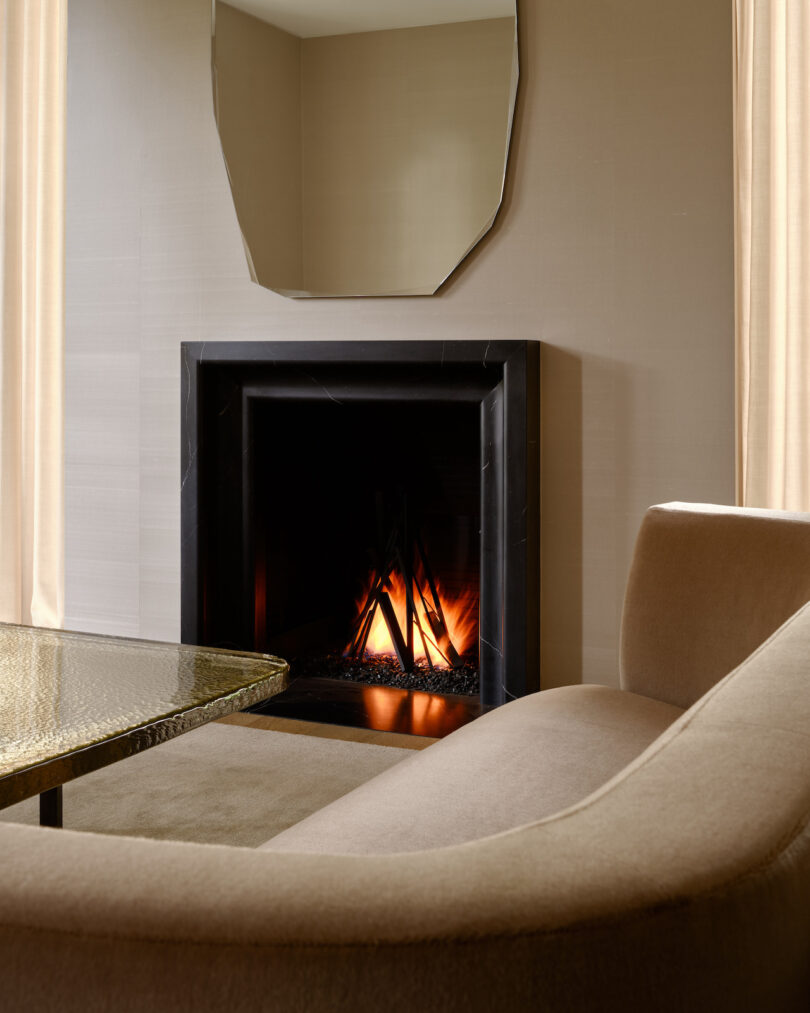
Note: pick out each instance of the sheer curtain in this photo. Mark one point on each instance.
(772, 186)
(33, 43)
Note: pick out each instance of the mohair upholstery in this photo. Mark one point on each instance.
(683, 883)
(519, 763)
(707, 585)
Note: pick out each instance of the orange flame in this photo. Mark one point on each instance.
(460, 614)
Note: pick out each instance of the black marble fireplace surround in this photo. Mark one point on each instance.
(291, 450)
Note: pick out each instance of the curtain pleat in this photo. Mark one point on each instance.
(772, 251)
(33, 45)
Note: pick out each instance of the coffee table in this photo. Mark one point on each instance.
(73, 702)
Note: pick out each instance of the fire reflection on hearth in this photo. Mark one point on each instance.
(420, 713)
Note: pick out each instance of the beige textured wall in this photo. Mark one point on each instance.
(614, 247)
(258, 99)
(404, 142)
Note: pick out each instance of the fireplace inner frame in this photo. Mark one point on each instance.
(221, 382)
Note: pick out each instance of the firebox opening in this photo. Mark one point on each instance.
(364, 539)
(297, 459)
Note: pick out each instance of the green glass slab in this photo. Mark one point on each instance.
(73, 702)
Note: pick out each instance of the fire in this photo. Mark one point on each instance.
(460, 616)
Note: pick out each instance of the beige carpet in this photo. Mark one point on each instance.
(219, 784)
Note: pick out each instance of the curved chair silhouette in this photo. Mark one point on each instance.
(585, 848)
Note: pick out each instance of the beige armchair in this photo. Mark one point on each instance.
(640, 856)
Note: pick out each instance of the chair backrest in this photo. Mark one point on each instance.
(708, 584)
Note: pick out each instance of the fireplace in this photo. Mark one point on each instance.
(368, 511)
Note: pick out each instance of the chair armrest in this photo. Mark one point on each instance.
(679, 884)
(707, 585)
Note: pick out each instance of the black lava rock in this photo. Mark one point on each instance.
(383, 670)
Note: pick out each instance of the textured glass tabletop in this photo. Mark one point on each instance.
(73, 702)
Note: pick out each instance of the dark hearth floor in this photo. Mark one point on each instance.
(383, 708)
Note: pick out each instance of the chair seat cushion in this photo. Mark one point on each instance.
(517, 764)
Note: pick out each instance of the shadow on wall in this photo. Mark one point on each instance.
(594, 461)
(561, 517)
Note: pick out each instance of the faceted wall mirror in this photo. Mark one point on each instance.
(365, 140)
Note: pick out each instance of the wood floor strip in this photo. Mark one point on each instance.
(295, 727)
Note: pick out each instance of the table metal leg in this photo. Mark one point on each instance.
(50, 807)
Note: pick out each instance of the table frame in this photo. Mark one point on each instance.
(46, 776)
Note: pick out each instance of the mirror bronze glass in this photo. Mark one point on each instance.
(365, 140)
